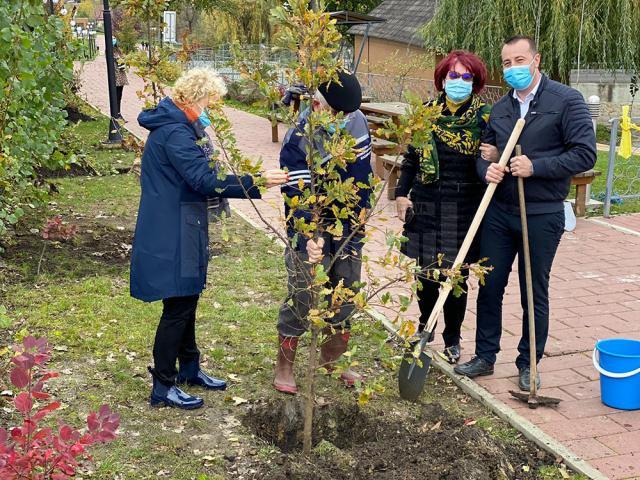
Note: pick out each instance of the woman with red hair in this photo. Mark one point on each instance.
(438, 194)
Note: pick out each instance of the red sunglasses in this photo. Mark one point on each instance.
(467, 77)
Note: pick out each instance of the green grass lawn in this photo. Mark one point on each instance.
(627, 180)
(87, 137)
(102, 338)
(256, 109)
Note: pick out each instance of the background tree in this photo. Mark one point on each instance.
(127, 29)
(597, 33)
(361, 6)
(36, 72)
(190, 11)
(156, 66)
(243, 21)
(88, 9)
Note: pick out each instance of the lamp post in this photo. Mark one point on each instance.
(114, 127)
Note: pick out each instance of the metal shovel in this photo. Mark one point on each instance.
(415, 365)
(532, 399)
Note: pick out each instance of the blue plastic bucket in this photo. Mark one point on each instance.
(618, 361)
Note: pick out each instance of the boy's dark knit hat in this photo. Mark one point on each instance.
(345, 96)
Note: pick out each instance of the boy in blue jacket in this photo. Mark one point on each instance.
(345, 97)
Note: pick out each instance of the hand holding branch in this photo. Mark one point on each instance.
(275, 177)
(314, 250)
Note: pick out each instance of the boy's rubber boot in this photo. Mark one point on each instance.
(284, 380)
(334, 345)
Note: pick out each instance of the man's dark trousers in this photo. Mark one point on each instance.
(501, 240)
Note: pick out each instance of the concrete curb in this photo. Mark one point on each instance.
(619, 228)
(257, 226)
(524, 426)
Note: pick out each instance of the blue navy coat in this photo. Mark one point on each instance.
(171, 242)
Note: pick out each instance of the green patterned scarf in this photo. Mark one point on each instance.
(462, 134)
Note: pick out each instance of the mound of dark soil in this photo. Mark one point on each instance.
(75, 170)
(351, 444)
(95, 246)
(74, 115)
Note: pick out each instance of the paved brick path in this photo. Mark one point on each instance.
(595, 294)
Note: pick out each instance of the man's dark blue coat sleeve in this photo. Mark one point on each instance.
(579, 137)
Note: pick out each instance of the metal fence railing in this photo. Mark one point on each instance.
(222, 59)
(623, 174)
(86, 43)
(389, 88)
(225, 54)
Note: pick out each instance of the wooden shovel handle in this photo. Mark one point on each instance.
(445, 289)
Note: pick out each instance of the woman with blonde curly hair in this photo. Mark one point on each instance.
(170, 246)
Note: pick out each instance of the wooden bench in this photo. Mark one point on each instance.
(380, 147)
(392, 164)
(581, 181)
(375, 121)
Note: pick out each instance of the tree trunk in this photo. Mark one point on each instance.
(149, 38)
(307, 439)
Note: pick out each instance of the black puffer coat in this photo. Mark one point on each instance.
(443, 209)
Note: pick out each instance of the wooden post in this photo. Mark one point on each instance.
(392, 183)
(274, 124)
(581, 200)
(379, 166)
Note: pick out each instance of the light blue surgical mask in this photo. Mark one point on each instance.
(204, 118)
(458, 89)
(331, 129)
(114, 41)
(519, 77)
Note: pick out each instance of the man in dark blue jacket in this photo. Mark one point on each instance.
(557, 142)
(344, 97)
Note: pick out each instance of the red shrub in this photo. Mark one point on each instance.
(54, 229)
(36, 452)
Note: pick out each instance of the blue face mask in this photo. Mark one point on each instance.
(114, 41)
(331, 129)
(518, 77)
(204, 119)
(458, 89)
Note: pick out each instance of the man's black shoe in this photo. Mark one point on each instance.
(475, 367)
(524, 382)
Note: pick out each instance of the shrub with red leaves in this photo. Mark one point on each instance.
(36, 452)
(54, 229)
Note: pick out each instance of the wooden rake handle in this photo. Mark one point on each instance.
(445, 289)
(533, 388)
